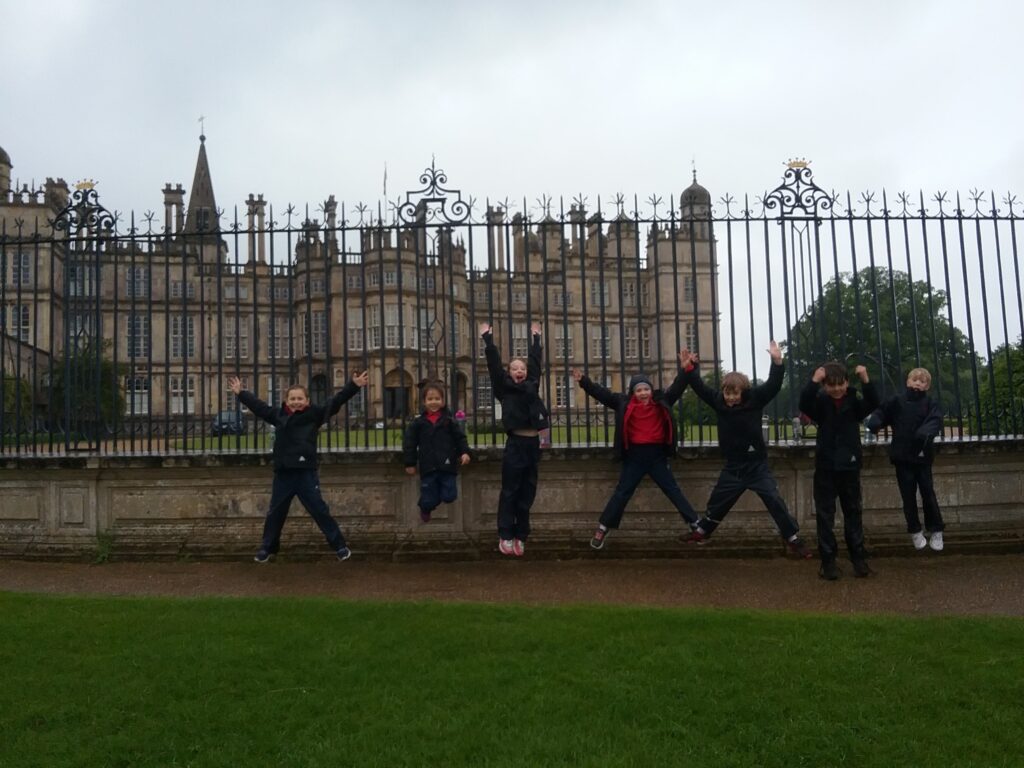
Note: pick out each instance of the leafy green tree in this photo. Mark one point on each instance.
(87, 394)
(1008, 395)
(883, 320)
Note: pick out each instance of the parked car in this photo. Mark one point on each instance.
(228, 423)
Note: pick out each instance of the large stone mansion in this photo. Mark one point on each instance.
(186, 305)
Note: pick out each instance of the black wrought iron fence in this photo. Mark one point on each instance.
(119, 334)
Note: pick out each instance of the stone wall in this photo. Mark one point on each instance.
(212, 506)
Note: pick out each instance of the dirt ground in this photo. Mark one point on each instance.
(947, 584)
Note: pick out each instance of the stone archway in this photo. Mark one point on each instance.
(397, 391)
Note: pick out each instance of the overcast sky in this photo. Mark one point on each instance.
(307, 99)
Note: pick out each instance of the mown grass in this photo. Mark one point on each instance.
(218, 682)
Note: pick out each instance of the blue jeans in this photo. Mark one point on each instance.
(304, 483)
(437, 487)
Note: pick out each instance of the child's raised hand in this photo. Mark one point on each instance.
(361, 379)
(577, 374)
(464, 459)
(819, 376)
(485, 328)
(535, 329)
(775, 351)
(235, 384)
(862, 373)
(686, 358)
(410, 470)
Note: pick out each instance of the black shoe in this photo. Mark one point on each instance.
(263, 556)
(829, 571)
(344, 553)
(597, 540)
(861, 569)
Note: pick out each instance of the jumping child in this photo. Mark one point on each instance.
(435, 442)
(739, 408)
(644, 441)
(296, 423)
(523, 416)
(916, 421)
(834, 406)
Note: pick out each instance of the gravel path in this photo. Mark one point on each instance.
(926, 585)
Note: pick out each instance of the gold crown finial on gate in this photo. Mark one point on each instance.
(797, 163)
(85, 184)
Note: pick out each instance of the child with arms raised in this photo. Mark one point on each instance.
(523, 415)
(297, 423)
(739, 408)
(644, 441)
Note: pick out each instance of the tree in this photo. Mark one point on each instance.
(883, 320)
(1008, 375)
(87, 395)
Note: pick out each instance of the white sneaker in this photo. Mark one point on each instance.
(506, 546)
(935, 541)
(920, 542)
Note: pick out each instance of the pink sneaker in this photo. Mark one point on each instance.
(518, 548)
(506, 547)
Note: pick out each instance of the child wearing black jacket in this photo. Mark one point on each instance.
(916, 420)
(523, 415)
(833, 405)
(434, 441)
(296, 423)
(644, 441)
(739, 408)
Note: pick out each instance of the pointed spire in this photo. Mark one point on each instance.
(202, 208)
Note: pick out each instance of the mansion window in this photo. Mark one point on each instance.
(183, 336)
(138, 335)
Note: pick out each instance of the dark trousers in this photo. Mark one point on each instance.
(910, 477)
(437, 487)
(518, 486)
(752, 475)
(304, 483)
(830, 484)
(640, 461)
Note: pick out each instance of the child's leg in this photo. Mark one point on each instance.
(933, 522)
(633, 470)
(527, 488)
(430, 492)
(311, 498)
(724, 495)
(447, 487)
(825, 512)
(516, 466)
(661, 473)
(848, 488)
(281, 495)
(762, 482)
(906, 480)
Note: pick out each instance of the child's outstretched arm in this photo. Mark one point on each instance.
(869, 402)
(259, 408)
(346, 393)
(883, 415)
(765, 393)
(931, 427)
(678, 385)
(603, 395)
(809, 394)
(691, 369)
(461, 443)
(533, 360)
(494, 364)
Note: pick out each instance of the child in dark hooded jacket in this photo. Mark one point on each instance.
(739, 408)
(644, 441)
(916, 421)
(434, 442)
(523, 416)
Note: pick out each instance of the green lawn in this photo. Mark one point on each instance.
(242, 682)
